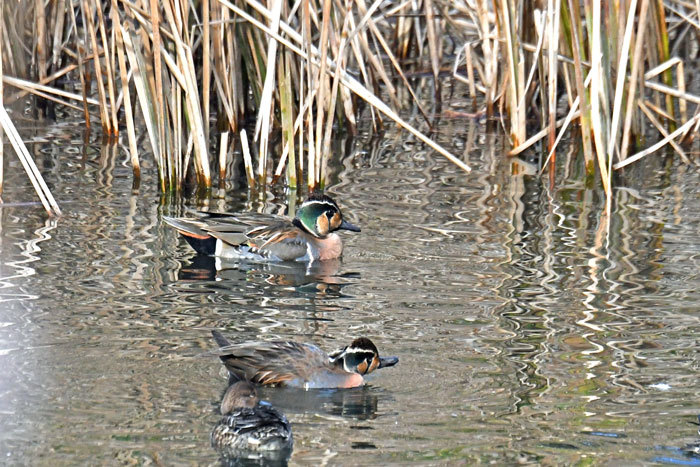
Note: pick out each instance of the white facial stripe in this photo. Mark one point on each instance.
(320, 201)
(358, 350)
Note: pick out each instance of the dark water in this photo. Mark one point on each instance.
(528, 329)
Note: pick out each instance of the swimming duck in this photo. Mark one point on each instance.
(309, 236)
(693, 449)
(288, 363)
(249, 428)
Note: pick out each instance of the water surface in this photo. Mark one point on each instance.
(529, 328)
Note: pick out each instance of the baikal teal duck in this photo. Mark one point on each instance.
(289, 363)
(310, 236)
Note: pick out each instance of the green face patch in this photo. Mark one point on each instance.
(315, 216)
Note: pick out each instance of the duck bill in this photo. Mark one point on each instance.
(348, 226)
(387, 361)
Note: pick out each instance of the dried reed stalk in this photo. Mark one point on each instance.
(128, 112)
(296, 78)
(2, 104)
(81, 71)
(632, 86)
(113, 124)
(47, 199)
(206, 63)
(89, 19)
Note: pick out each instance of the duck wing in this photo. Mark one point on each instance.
(275, 362)
(272, 237)
(232, 228)
(267, 235)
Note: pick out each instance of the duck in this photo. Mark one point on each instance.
(309, 236)
(299, 365)
(250, 428)
(693, 449)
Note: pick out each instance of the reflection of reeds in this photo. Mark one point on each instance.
(288, 66)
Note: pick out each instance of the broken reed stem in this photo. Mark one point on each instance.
(660, 128)
(37, 181)
(247, 160)
(653, 148)
(36, 88)
(223, 151)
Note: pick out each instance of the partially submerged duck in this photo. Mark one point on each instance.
(250, 429)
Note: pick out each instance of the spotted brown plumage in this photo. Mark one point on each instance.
(249, 428)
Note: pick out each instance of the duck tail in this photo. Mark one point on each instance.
(199, 239)
(219, 338)
(223, 342)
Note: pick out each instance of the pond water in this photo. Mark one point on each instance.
(529, 328)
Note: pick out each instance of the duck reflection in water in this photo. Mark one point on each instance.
(321, 276)
(690, 452)
(361, 403)
(251, 432)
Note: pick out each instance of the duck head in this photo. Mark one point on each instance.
(319, 215)
(239, 395)
(361, 357)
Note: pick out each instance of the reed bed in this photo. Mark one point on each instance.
(194, 73)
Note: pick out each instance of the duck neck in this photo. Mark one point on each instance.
(330, 247)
